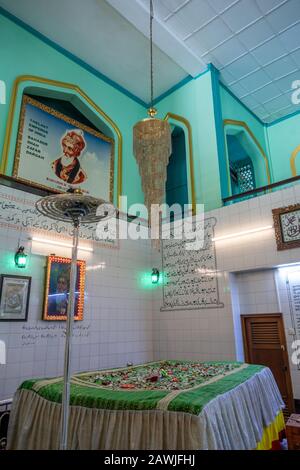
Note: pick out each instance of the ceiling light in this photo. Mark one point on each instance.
(240, 234)
(56, 243)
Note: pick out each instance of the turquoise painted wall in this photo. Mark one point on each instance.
(194, 101)
(283, 138)
(233, 109)
(177, 185)
(22, 53)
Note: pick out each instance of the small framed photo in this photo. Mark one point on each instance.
(57, 289)
(14, 297)
(287, 227)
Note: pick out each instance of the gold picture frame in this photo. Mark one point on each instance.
(73, 122)
(287, 227)
(57, 289)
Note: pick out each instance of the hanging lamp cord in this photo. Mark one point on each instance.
(151, 50)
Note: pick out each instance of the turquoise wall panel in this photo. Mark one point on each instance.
(235, 149)
(232, 108)
(284, 138)
(194, 101)
(176, 184)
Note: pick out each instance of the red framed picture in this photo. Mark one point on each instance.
(58, 286)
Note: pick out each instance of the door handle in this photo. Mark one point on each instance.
(282, 347)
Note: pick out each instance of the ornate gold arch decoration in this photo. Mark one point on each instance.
(188, 126)
(69, 86)
(293, 160)
(248, 130)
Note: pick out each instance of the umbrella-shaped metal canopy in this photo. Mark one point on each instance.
(76, 208)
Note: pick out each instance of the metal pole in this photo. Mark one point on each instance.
(69, 329)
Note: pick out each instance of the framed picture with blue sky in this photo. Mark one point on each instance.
(57, 152)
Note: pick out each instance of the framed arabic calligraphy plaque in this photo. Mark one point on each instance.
(191, 276)
(287, 227)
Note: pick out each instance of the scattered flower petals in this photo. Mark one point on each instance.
(164, 375)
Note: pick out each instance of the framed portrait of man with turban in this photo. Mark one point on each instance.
(67, 167)
(57, 152)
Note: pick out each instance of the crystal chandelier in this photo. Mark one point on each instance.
(152, 147)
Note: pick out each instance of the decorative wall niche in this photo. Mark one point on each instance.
(70, 94)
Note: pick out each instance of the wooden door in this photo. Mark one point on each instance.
(265, 343)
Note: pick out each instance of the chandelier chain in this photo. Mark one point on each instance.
(151, 51)
(152, 147)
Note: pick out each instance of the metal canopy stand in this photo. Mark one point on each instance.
(76, 208)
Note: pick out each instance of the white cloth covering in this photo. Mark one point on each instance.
(234, 420)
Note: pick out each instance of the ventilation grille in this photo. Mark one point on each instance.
(243, 174)
(245, 178)
(265, 333)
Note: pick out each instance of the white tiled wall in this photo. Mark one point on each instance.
(214, 334)
(117, 325)
(257, 292)
(252, 292)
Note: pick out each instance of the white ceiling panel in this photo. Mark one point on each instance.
(222, 5)
(280, 113)
(268, 52)
(227, 76)
(295, 56)
(208, 37)
(173, 5)
(182, 28)
(284, 16)
(241, 15)
(211, 59)
(251, 102)
(194, 15)
(254, 43)
(243, 66)
(291, 38)
(161, 9)
(256, 34)
(277, 103)
(281, 68)
(228, 52)
(238, 89)
(266, 6)
(261, 111)
(266, 93)
(255, 81)
(285, 84)
(293, 109)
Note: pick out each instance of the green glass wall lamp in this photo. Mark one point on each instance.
(155, 276)
(21, 258)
